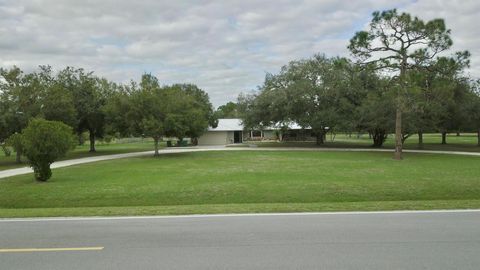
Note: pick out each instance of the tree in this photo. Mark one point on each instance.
(57, 102)
(90, 94)
(45, 142)
(15, 141)
(376, 111)
(228, 110)
(316, 93)
(188, 111)
(398, 43)
(145, 114)
(322, 96)
(451, 89)
(118, 109)
(475, 109)
(20, 100)
(149, 110)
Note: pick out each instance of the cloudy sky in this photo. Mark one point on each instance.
(225, 47)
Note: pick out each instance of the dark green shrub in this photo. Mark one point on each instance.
(45, 142)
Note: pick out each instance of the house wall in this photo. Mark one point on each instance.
(214, 138)
(230, 137)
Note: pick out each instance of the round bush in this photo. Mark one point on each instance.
(45, 142)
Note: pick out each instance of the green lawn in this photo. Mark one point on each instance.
(248, 181)
(465, 142)
(122, 146)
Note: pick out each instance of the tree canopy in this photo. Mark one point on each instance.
(397, 43)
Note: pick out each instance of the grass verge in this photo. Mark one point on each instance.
(239, 208)
(248, 181)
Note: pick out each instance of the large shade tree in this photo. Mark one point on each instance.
(20, 101)
(188, 111)
(319, 93)
(375, 112)
(90, 95)
(228, 110)
(24, 96)
(397, 43)
(148, 109)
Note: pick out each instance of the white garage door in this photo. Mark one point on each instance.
(213, 138)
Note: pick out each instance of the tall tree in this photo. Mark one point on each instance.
(90, 95)
(228, 110)
(316, 93)
(376, 112)
(398, 43)
(147, 112)
(188, 111)
(20, 94)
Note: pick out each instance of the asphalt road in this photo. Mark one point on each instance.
(407, 240)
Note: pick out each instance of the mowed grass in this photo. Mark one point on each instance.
(248, 181)
(467, 142)
(82, 151)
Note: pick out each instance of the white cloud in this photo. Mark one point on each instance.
(225, 47)
(461, 17)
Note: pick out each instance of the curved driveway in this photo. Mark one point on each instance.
(65, 163)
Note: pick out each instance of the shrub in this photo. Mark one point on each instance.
(45, 142)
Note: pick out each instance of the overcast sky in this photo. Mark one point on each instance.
(225, 47)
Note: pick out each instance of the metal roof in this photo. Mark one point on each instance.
(235, 124)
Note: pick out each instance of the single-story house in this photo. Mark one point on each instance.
(294, 132)
(229, 131)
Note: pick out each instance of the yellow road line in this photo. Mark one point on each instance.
(12, 250)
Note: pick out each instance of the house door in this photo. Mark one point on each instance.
(237, 137)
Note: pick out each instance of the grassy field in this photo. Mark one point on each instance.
(250, 181)
(122, 146)
(465, 142)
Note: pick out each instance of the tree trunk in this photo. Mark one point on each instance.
(398, 134)
(444, 137)
(18, 157)
(320, 138)
(458, 133)
(378, 137)
(92, 141)
(420, 139)
(398, 114)
(156, 154)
